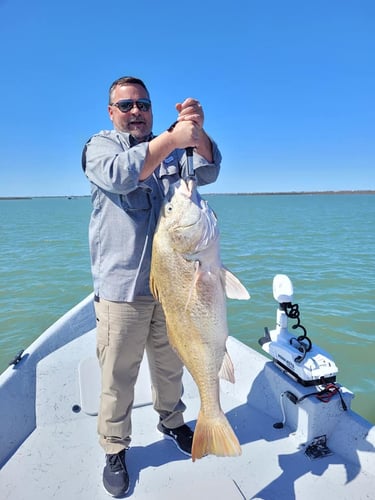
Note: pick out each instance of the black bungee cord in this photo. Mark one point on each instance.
(303, 343)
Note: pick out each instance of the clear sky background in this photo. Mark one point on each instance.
(288, 86)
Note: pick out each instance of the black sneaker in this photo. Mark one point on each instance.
(182, 437)
(115, 475)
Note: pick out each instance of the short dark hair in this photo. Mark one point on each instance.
(126, 80)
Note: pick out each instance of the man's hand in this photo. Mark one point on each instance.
(190, 110)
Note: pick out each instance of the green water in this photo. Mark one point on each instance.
(325, 243)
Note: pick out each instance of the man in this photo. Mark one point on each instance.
(130, 171)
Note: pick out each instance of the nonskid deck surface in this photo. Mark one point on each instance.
(62, 458)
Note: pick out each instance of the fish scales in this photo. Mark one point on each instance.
(187, 277)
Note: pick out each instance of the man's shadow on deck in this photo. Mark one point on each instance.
(294, 465)
(249, 428)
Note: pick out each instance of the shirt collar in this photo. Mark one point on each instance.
(134, 141)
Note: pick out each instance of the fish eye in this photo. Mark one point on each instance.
(168, 208)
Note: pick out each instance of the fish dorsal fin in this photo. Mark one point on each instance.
(227, 370)
(233, 287)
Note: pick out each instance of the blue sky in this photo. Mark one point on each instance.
(288, 86)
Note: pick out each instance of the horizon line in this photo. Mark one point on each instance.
(239, 193)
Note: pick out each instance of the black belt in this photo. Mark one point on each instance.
(96, 298)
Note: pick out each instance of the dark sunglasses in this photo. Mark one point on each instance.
(126, 105)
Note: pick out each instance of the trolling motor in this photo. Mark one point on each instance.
(295, 356)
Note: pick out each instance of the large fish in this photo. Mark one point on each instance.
(189, 280)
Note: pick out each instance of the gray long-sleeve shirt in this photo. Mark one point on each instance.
(126, 210)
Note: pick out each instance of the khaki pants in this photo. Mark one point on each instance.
(124, 331)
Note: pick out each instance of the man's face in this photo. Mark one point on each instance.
(136, 122)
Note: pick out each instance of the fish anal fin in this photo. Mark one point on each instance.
(233, 287)
(214, 436)
(227, 370)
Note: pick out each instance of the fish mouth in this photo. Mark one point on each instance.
(182, 227)
(186, 187)
(207, 233)
(197, 225)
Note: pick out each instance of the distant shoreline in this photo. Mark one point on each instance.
(41, 197)
(273, 193)
(282, 193)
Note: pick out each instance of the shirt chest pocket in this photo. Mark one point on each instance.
(170, 167)
(136, 200)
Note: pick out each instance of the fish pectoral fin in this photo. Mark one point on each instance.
(227, 370)
(196, 277)
(154, 289)
(233, 287)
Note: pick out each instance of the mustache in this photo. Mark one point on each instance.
(137, 120)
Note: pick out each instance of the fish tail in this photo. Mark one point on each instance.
(214, 436)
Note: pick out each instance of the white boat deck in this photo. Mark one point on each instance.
(61, 458)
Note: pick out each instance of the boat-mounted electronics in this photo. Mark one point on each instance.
(295, 355)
